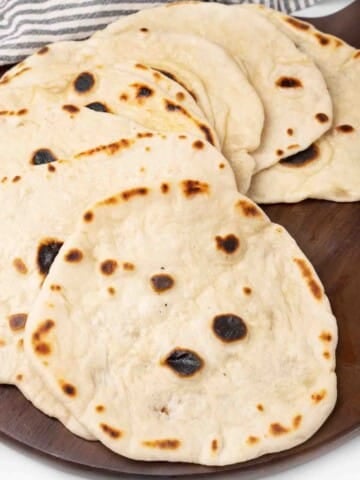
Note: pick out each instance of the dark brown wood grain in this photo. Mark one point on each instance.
(329, 234)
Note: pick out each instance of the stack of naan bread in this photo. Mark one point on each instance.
(146, 301)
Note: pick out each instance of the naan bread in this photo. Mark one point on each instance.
(330, 168)
(178, 323)
(54, 163)
(296, 101)
(132, 90)
(221, 89)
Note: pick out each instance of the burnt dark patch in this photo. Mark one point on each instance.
(111, 290)
(297, 421)
(16, 179)
(161, 282)
(51, 168)
(229, 327)
(260, 407)
(42, 156)
(174, 107)
(290, 131)
(17, 321)
(88, 216)
(100, 408)
(69, 389)
(141, 66)
(214, 445)
(252, 440)
(144, 135)
(345, 128)
(144, 29)
(42, 330)
(110, 431)
(55, 288)
(108, 267)
(302, 158)
(228, 244)
(248, 209)
(322, 39)
(124, 97)
(128, 266)
(110, 148)
(198, 145)
(13, 113)
(70, 108)
(43, 50)
(325, 336)
(184, 362)
(180, 96)
(98, 107)
(194, 187)
(73, 256)
(47, 251)
(43, 348)
(84, 82)
(208, 135)
(175, 79)
(279, 152)
(128, 194)
(143, 91)
(165, 187)
(247, 290)
(306, 272)
(318, 396)
(288, 82)
(20, 266)
(322, 117)
(297, 23)
(163, 444)
(277, 429)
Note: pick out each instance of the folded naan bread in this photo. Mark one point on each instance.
(54, 163)
(330, 168)
(178, 323)
(294, 94)
(221, 89)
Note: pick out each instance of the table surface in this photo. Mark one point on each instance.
(21, 464)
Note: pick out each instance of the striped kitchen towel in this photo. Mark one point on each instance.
(26, 25)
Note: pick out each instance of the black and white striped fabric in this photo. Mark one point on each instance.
(26, 25)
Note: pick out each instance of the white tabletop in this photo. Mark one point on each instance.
(17, 463)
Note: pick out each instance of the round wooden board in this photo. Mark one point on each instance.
(329, 234)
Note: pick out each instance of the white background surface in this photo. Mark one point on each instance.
(16, 463)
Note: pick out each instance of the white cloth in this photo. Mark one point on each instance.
(26, 25)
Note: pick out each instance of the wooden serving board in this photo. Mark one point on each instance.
(329, 234)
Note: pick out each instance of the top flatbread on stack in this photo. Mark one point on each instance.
(178, 323)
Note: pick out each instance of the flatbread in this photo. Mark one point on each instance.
(229, 102)
(180, 324)
(132, 90)
(330, 168)
(53, 164)
(292, 89)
